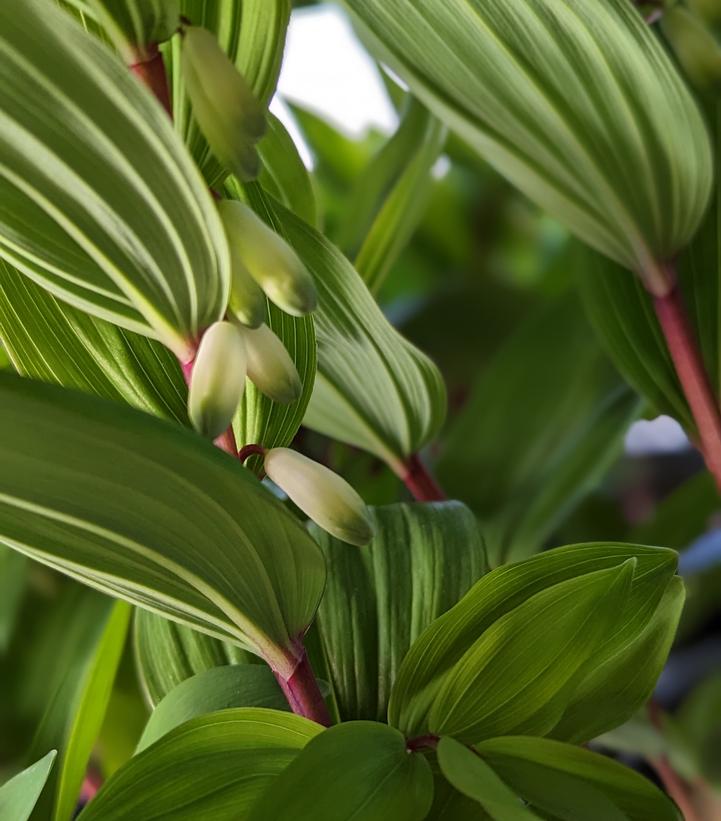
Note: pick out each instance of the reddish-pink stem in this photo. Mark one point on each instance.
(674, 785)
(303, 693)
(692, 376)
(251, 450)
(150, 70)
(420, 483)
(422, 742)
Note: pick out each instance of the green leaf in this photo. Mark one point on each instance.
(543, 92)
(219, 688)
(471, 776)
(76, 634)
(151, 513)
(502, 613)
(380, 598)
(373, 389)
(571, 783)
(451, 805)
(556, 422)
(360, 770)
(18, 796)
(623, 316)
(254, 41)
(283, 173)
(167, 653)
(213, 767)
(697, 725)
(51, 340)
(89, 711)
(101, 203)
(13, 578)
(390, 196)
(621, 682)
(133, 25)
(516, 678)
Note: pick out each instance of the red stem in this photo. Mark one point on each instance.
(675, 787)
(303, 694)
(419, 481)
(422, 742)
(150, 70)
(692, 376)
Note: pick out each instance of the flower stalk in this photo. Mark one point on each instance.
(421, 484)
(683, 348)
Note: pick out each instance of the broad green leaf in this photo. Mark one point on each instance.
(622, 682)
(451, 805)
(572, 783)
(167, 653)
(51, 340)
(543, 91)
(254, 40)
(89, 711)
(101, 204)
(437, 656)
(148, 512)
(519, 675)
(360, 771)
(219, 688)
(214, 767)
(133, 25)
(389, 198)
(379, 598)
(555, 423)
(13, 578)
(470, 775)
(18, 796)
(283, 173)
(373, 389)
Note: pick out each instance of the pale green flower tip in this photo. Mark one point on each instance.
(270, 366)
(295, 294)
(321, 494)
(218, 379)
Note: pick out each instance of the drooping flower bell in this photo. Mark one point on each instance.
(270, 367)
(321, 494)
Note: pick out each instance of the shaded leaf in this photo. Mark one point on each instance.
(471, 776)
(571, 783)
(453, 648)
(13, 577)
(51, 340)
(359, 770)
(18, 796)
(216, 765)
(542, 424)
(219, 688)
(151, 513)
(167, 653)
(101, 203)
(379, 598)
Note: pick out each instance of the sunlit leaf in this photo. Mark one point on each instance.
(154, 514)
(575, 101)
(101, 203)
(18, 796)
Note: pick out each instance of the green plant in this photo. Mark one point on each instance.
(178, 295)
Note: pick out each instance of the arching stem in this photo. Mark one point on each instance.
(416, 477)
(683, 347)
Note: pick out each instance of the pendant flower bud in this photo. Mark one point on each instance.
(269, 259)
(247, 300)
(697, 49)
(218, 379)
(270, 367)
(228, 113)
(322, 495)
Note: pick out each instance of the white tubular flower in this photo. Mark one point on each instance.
(218, 379)
(268, 258)
(322, 495)
(270, 367)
